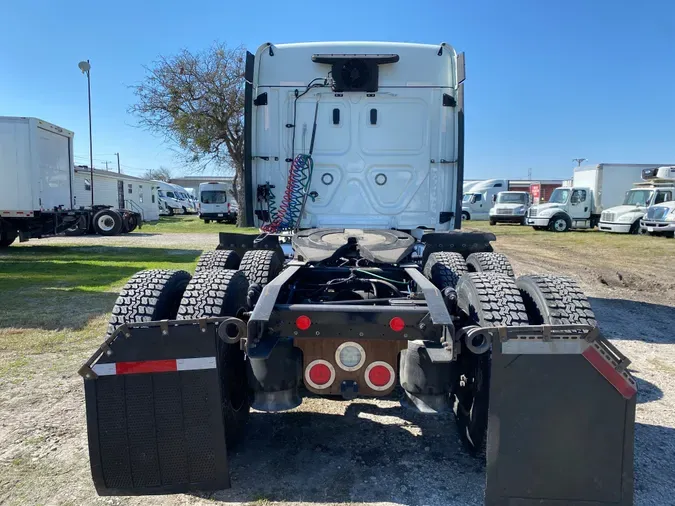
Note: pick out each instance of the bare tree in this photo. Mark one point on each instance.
(197, 101)
(161, 174)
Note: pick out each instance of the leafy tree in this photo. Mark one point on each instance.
(197, 101)
(161, 174)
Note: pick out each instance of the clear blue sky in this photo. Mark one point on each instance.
(547, 80)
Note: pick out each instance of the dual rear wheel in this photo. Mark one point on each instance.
(216, 289)
(488, 295)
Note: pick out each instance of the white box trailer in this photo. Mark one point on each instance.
(37, 194)
(117, 190)
(36, 160)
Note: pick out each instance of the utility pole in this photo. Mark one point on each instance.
(106, 165)
(85, 67)
(579, 161)
(119, 171)
(529, 174)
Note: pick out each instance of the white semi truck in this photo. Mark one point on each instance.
(579, 206)
(510, 207)
(480, 198)
(658, 187)
(343, 136)
(36, 186)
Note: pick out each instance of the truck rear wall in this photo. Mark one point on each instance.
(36, 165)
(386, 159)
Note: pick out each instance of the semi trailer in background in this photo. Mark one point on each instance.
(37, 180)
(594, 188)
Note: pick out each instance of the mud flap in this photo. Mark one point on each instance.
(561, 419)
(154, 416)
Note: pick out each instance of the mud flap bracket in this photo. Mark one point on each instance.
(154, 415)
(561, 419)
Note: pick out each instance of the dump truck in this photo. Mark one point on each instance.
(360, 284)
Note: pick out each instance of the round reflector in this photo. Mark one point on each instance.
(350, 356)
(320, 374)
(397, 324)
(380, 376)
(303, 322)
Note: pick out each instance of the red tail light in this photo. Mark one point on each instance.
(320, 374)
(380, 376)
(303, 322)
(397, 324)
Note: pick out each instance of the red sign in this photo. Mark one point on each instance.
(535, 190)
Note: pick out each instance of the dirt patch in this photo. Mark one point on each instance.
(338, 452)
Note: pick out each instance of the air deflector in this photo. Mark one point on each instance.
(355, 72)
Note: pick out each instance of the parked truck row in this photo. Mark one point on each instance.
(608, 196)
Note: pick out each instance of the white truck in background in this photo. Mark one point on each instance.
(36, 186)
(510, 207)
(479, 198)
(658, 187)
(214, 203)
(580, 206)
(169, 201)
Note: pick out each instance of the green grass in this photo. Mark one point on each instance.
(621, 247)
(191, 225)
(56, 296)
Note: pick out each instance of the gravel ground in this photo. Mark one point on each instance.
(331, 451)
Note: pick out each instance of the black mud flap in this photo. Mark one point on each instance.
(154, 416)
(561, 420)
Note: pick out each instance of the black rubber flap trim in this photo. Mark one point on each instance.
(558, 433)
(157, 433)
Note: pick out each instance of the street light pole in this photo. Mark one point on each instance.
(85, 67)
(119, 171)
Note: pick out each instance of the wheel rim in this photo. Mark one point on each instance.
(560, 225)
(106, 223)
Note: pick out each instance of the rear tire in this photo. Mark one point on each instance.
(489, 262)
(149, 296)
(7, 234)
(555, 300)
(493, 223)
(444, 269)
(131, 223)
(488, 300)
(216, 293)
(218, 259)
(107, 222)
(261, 266)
